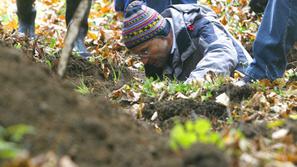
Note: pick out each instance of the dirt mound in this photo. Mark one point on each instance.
(88, 129)
(93, 76)
(80, 67)
(183, 109)
(91, 131)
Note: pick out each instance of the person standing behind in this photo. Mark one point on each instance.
(27, 13)
(276, 36)
(158, 5)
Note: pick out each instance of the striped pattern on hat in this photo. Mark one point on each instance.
(141, 24)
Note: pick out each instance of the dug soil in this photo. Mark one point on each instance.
(182, 110)
(88, 129)
(94, 75)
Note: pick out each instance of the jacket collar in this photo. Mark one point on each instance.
(173, 35)
(184, 45)
(180, 30)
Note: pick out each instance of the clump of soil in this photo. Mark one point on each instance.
(89, 130)
(235, 93)
(183, 109)
(210, 157)
(78, 66)
(254, 129)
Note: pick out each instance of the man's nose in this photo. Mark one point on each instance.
(144, 60)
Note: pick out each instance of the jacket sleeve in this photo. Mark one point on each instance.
(219, 52)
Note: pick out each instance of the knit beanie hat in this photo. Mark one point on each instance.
(141, 24)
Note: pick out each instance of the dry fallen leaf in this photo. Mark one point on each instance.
(281, 133)
(223, 99)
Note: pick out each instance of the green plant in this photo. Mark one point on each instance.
(5, 19)
(183, 136)
(10, 137)
(82, 88)
(258, 86)
(53, 42)
(175, 87)
(275, 124)
(278, 91)
(49, 64)
(148, 88)
(206, 96)
(116, 72)
(208, 87)
(292, 75)
(18, 46)
(62, 10)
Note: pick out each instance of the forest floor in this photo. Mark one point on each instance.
(104, 112)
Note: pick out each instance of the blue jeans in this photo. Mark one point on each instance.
(276, 36)
(158, 5)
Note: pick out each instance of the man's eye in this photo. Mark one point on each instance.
(145, 52)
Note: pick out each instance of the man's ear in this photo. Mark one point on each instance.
(169, 37)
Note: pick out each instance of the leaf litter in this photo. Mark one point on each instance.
(264, 113)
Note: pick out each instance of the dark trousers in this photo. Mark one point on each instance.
(26, 13)
(158, 5)
(276, 36)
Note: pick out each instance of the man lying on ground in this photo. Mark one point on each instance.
(184, 42)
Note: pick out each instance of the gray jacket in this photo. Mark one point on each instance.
(203, 45)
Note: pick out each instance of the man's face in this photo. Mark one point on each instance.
(154, 52)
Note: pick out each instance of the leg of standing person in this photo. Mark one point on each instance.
(79, 46)
(26, 16)
(158, 5)
(276, 36)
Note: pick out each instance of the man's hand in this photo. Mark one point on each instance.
(196, 81)
(258, 6)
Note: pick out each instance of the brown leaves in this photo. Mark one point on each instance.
(243, 2)
(126, 94)
(105, 9)
(287, 157)
(224, 20)
(259, 102)
(237, 18)
(50, 2)
(271, 102)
